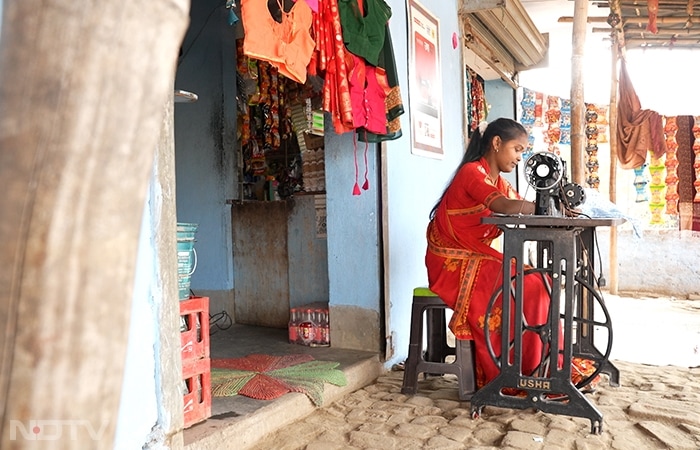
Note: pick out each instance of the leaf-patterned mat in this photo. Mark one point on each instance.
(266, 377)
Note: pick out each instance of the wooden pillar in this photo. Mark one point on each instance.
(82, 95)
(616, 52)
(612, 187)
(578, 107)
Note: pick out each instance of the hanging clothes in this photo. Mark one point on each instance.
(688, 206)
(287, 45)
(367, 96)
(364, 32)
(313, 4)
(364, 28)
(329, 60)
(633, 129)
(656, 128)
(477, 107)
(393, 104)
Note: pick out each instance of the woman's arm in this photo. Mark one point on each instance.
(504, 205)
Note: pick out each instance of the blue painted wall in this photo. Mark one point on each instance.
(308, 274)
(357, 268)
(414, 183)
(353, 227)
(205, 144)
(501, 98)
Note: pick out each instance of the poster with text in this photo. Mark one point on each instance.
(424, 82)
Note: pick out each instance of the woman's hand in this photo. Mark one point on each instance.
(504, 205)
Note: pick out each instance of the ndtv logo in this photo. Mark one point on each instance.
(54, 430)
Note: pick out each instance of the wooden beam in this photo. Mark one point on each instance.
(619, 36)
(662, 32)
(618, 50)
(612, 186)
(578, 107)
(663, 44)
(663, 4)
(570, 19)
(641, 20)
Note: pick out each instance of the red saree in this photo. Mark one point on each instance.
(465, 271)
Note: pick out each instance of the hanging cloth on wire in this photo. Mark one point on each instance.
(287, 45)
(633, 128)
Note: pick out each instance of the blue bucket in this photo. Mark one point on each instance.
(183, 286)
(186, 257)
(186, 231)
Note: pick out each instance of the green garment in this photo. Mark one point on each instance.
(364, 35)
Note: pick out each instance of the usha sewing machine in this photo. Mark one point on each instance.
(546, 172)
(576, 311)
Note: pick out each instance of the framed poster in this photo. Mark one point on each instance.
(425, 81)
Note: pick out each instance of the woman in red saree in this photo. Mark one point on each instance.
(463, 268)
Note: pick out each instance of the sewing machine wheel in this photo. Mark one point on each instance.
(544, 170)
(574, 195)
(583, 327)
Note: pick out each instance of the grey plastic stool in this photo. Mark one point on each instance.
(432, 361)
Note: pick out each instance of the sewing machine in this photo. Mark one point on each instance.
(565, 263)
(546, 172)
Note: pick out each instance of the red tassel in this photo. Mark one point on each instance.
(356, 187)
(365, 185)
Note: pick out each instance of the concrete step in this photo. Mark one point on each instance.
(240, 422)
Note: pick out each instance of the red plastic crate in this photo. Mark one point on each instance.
(196, 374)
(194, 343)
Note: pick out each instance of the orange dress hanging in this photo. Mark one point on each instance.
(287, 45)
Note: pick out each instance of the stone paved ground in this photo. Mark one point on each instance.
(655, 407)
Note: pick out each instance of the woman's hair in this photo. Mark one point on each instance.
(506, 129)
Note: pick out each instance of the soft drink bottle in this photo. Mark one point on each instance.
(306, 328)
(293, 326)
(324, 326)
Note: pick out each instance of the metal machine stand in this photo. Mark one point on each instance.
(565, 254)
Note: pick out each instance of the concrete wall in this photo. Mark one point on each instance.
(205, 147)
(662, 262)
(500, 97)
(150, 413)
(354, 275)
(208, 173)
(308, 254)
(414, 183)
(138, 411)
